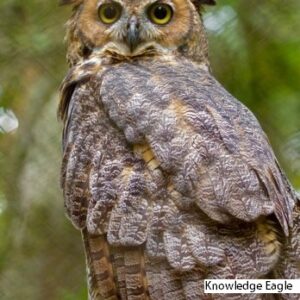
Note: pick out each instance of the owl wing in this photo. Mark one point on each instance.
(224, 191)
(211, 145)
(145, 229)
(103, 185)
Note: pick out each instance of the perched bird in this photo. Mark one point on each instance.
(170, 179)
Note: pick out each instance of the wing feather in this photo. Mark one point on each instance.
(212, 145)
(193, 202)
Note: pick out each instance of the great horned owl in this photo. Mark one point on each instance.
(169, 178)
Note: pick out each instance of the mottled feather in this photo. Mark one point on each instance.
(170, 179)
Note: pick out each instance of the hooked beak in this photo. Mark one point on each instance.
(133, 34)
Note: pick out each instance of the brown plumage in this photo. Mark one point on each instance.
(170, 179)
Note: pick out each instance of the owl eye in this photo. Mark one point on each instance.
(160, 13)
(109, 12)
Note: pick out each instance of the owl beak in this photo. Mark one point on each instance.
(133, 34)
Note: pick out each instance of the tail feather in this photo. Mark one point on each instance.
(120, 271)
(101, 282)
(289, 264)
(135, 276)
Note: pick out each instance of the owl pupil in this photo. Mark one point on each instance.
(110, 12)
(160, 12)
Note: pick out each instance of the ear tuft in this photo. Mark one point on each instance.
(199, 3)
(207, 2)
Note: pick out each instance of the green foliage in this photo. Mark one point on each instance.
(66, 295)
(255, 54)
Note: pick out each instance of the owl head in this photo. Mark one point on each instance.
(135, 28)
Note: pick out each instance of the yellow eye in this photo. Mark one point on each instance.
(110, 13)
(160, 13)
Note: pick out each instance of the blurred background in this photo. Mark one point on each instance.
(255, 53)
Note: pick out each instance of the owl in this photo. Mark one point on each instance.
(169, 178)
